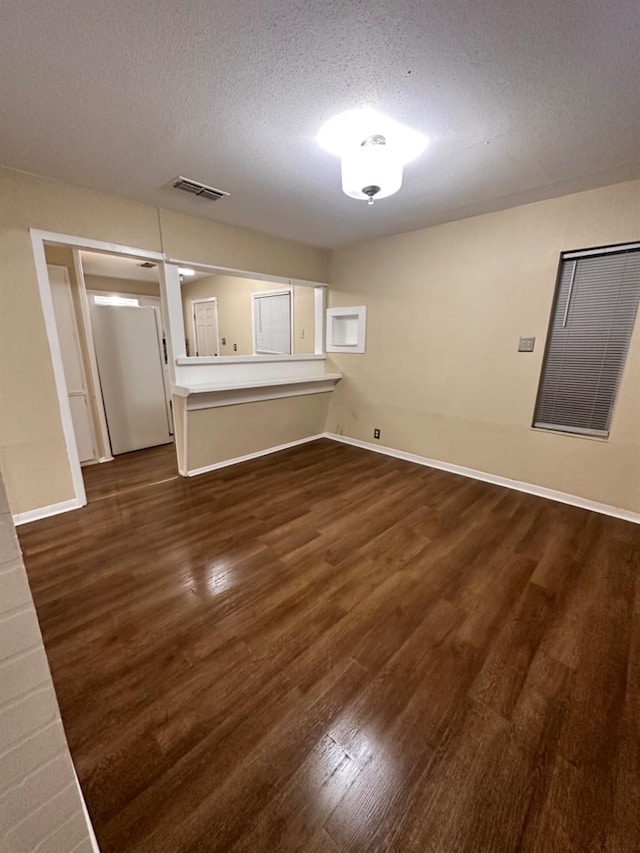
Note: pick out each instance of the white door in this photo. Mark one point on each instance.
(72, 361)
(131, 374)
(205, 326)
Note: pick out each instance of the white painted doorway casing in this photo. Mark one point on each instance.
(74, 373)
(38, 239)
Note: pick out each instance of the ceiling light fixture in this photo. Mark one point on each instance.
(372, 170)
(186, 271)
(373, 150)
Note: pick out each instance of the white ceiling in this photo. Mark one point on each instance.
(522, 101)
(118, 266)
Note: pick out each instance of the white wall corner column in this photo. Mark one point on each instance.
(172, 310)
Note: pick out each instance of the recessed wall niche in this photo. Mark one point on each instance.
(346, 329)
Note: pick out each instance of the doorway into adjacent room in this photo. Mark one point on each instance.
(109, 323)
(204, 315)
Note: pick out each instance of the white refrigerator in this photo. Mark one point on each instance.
(128, 343)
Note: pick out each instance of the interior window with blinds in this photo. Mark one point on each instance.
(272, 323)
(593, 315)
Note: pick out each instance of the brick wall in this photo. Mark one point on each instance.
(40, 803)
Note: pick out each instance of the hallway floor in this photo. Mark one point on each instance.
(330, 650)
(130, 471)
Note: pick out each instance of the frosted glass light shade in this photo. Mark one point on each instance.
(371, 166)
(349, 128)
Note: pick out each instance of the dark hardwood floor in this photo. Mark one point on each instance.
(328, 650)
(129, 471)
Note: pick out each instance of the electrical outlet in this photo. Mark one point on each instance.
(526, 344)
(224, 342)
(235, 347)
(376, 433)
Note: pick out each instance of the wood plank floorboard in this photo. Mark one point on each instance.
(330, 650)
(133, 470)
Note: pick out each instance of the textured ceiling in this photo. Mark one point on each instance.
(117, 266)
(521, 101)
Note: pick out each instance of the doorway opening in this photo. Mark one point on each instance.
(107, 310)
(204, 316)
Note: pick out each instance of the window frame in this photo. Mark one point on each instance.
(577, 255)
(261, 294)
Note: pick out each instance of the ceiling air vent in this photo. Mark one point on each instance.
(196, 188)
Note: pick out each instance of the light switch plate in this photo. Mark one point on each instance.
(526, 344)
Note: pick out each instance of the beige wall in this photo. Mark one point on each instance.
(235, 308)
(122, 285)
(303, 320)
(40, 805)
(61, 257)
(441, 376)
(227, 432)
(188, 238)
(32, 450)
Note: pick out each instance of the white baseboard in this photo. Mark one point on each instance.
(227, 462)
(530, 488)
(505, 482)
(46, 511)
(98, 461)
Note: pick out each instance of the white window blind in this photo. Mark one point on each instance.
(591, 325)
(272, 323)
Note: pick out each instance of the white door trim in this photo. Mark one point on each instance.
(319, 306)
(94, 245)
(77, 347)
(93, 364)
(58, 368)
(38, 239)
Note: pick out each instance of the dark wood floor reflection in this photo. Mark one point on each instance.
(129, 471)
(329, 650)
